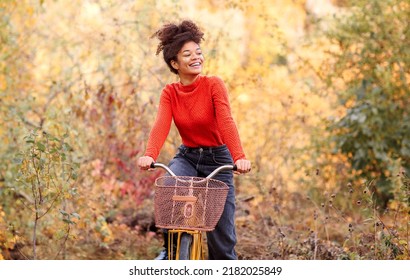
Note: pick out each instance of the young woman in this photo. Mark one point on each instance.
(200, 109)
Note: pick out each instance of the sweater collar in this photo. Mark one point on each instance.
(190, 87)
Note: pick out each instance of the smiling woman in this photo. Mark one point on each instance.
(173, 39)
(199, 106)
(189, 62)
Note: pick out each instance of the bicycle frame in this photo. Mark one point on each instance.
(197, 250)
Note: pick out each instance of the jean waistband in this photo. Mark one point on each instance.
(204, 149)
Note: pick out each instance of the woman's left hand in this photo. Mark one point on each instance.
(243, 165)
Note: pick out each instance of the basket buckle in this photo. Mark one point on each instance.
(189, 205)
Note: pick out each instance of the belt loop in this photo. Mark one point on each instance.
(184, 149)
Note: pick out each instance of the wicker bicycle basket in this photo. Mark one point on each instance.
(189, 202)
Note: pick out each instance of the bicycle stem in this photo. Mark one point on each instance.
(210, 176)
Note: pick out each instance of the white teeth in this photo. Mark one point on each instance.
(195, 64)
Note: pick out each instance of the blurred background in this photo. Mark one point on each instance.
(319, 90)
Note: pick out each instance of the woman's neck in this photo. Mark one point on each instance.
(187, 79)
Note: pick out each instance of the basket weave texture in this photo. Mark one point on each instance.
(189, 202)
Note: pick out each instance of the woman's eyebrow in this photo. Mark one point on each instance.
(198, 49)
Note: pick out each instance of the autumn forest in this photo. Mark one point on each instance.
(318, 90)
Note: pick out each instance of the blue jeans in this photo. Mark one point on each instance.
(200, 162)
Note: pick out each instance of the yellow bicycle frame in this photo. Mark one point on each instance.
(197, 249)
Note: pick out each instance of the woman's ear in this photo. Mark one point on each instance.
(174, 64)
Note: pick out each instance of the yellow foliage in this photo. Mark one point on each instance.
(7, 241)
(64, 78)
(103, 230)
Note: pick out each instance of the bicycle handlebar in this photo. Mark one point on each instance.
(163, 166)
(210, 176)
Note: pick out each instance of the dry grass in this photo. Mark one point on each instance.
(342, 223)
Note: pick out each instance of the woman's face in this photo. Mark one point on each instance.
(189, 59)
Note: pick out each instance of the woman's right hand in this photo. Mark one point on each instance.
(145, 162)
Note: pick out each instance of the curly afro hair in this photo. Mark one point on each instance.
(172, 37)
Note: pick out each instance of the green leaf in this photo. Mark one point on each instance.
(68, 221)
(41, 146)
(17, 160)
(64, 212)
(75, 215)
(403, 242)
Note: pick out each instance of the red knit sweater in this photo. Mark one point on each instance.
(202, 114)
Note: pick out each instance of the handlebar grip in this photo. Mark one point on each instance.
(152, 165)
(235, 168)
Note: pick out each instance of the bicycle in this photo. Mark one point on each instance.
(187, 207)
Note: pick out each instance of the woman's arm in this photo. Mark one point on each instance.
(161, 127)
(227, 126)
(226, 123)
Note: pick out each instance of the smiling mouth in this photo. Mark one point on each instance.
(196, 64)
